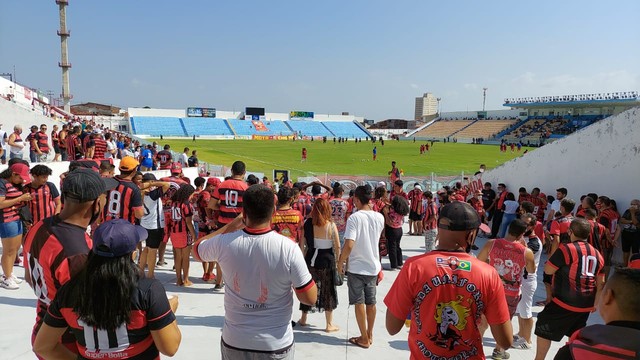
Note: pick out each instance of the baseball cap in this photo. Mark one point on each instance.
(382, 184)
(417, 186)
(213, 181)
(460, 216)
(85, 185)
(34, 127)
(176, 168)
(128, 163)
(22, 170)
(149, 177)
(117, 237)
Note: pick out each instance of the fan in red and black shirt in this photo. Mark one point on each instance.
(96, 147)
(578, 274)
(285, 220)
(56, 248)
(74, 146)
(134, 321)
(164, 158)
(560, 226)
(228, 196)
(125, 201)
(183, 234)
(45, 198)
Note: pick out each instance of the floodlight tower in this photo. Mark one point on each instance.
(64, 63)
(484, 97)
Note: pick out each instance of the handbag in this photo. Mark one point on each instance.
(337, 277)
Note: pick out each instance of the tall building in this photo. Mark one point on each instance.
(426, 105)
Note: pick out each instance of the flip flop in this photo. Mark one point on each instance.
(354, 341)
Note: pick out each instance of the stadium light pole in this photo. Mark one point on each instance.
(484, 97)
(438, 100)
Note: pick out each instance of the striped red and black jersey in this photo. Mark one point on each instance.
(560, 227)
(73, 141)
(539, 207)
(55, 137)
(42, 139)
(200, 204)
(164, 159)
(62, 143)
(574, 285)
(122, 201)
(100, 148)
(229, 195)
(9, 192)
(598, 236)
(180, 214)
(302, 205)
(42, 204)
(288, 223)
(85, 141)
(415, 199)
(609, 218)
(55, 252)
(150, 311)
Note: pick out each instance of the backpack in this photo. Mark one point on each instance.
(605, 342)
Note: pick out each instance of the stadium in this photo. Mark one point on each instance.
(585, 142)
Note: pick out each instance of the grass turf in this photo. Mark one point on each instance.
(347, 158)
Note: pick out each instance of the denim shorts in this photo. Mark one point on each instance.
(11, 229)
(362, 289)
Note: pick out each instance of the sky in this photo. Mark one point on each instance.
(370, 58)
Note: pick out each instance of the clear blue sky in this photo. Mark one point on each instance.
(368, 57)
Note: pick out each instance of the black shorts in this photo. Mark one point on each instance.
(630, 241)
(154, 238)
(554, 322)
(56, 148)
(414, 216)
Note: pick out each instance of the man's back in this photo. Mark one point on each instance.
(447, 292)
(364, 227)
(260, 269)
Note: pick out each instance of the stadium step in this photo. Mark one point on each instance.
(471, 123)
(183, 128)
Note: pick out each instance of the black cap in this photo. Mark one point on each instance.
(85, 185)
(149, 177)
(460, 216)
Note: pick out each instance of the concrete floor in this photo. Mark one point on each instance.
(201, 313)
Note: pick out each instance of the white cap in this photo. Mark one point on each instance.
(382, 184)
(417, 186)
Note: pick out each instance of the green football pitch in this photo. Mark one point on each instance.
(347, 158)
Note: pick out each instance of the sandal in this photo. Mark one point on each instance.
(354, 341)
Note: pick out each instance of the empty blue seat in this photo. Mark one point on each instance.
(206, 126)
(156, 126)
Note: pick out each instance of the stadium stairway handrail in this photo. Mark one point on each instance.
(326, 127)
(411, 133)
(512, 128)
(184, 128)
(233, 131)
(363, 128)
(289, 126)
(464, 127)
(132, 125)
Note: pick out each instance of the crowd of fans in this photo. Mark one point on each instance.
(261, 247)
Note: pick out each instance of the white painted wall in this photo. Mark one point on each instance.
(603, 158)
(134, 112)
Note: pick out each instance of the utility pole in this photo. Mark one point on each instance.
(64, 63)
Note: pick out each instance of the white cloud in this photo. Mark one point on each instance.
(414, 86)
(471, 86)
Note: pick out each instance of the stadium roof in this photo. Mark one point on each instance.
(626, 98)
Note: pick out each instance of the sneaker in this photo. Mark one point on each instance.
(499, 354)
(8, 283)
(16, 279)
(520, 343)
(218, 287)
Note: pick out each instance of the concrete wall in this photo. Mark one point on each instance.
(603, 158)
(134, 112)
(474, 113)
(12, 114)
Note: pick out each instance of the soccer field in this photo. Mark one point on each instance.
(347, 158)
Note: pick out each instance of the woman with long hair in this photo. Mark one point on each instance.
(322, 250)
(183, 233)
(11, 226)
(111, 308)
(394, 214)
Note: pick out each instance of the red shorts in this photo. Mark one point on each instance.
(181, 240)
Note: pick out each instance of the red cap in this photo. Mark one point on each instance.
(634, 262)
(22, 170)
(176, 168)
(459, 198)
(213, 181)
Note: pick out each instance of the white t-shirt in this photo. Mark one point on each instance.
(534, 243)
(364, 228)
(110, 147)
(183, 160)
(153, 217)
(261, 268)
(511, 206)
(554, 208)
